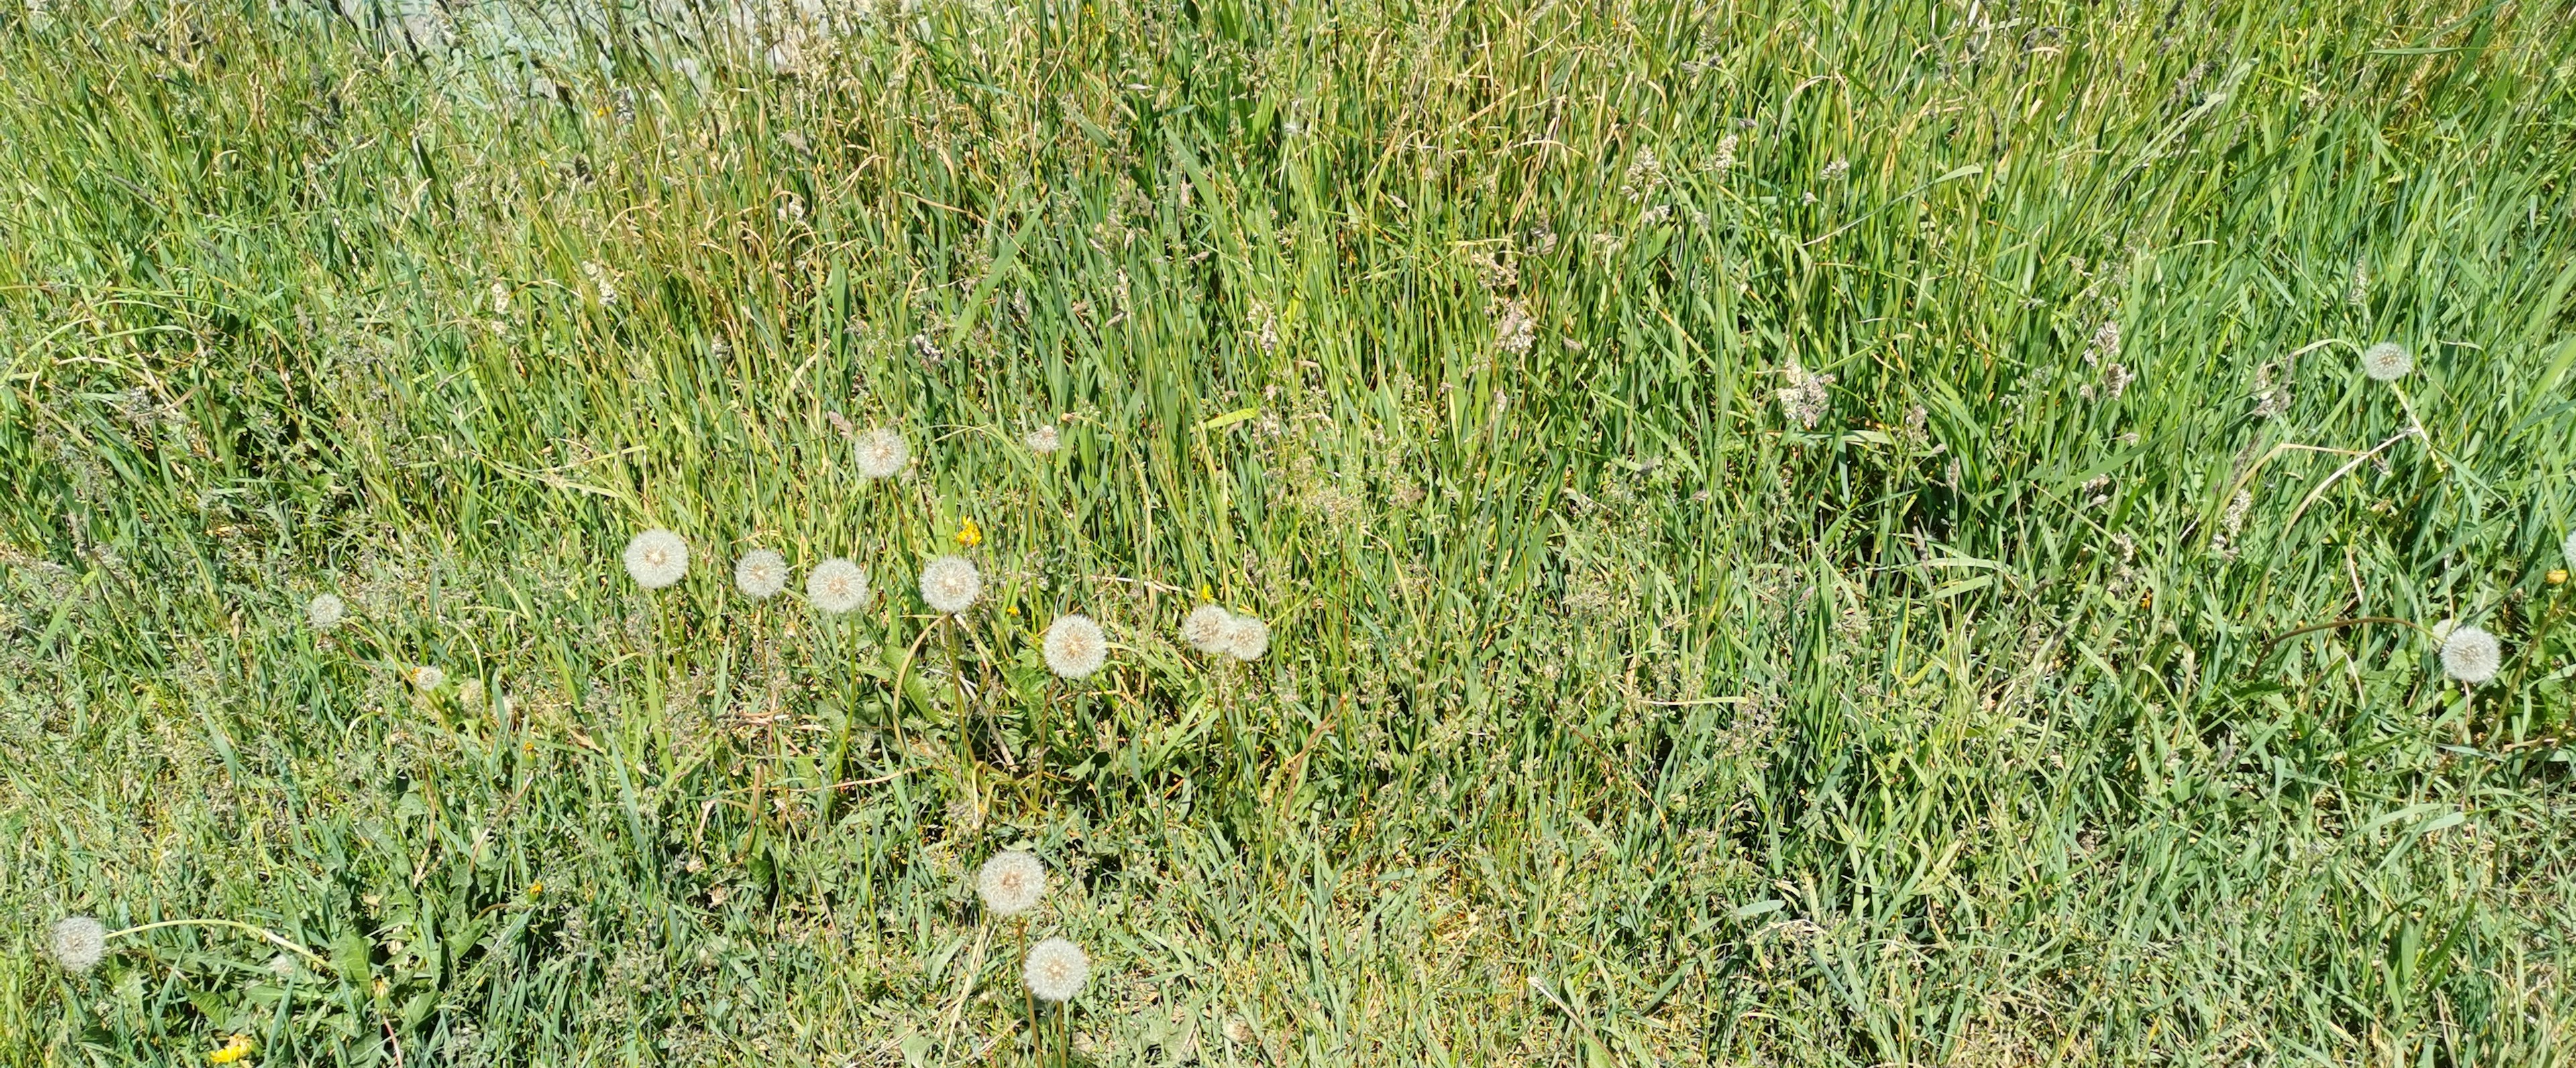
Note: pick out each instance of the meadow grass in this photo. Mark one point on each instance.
(1793, 533)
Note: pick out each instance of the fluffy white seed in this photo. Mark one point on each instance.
(1056, 970)
(2387, 361)
(327, 610)
(78, 943)
(2471, 655)
(1205, 627)
(657, 558)
(760, 574)
(427, 677)
(1246, 638)
(950, 584)
(1011, 883)
(837, 586)
(882, 453)
(1075, 647)
(1043, 441)
(2568, 548)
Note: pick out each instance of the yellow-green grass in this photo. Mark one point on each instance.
(1613, 714)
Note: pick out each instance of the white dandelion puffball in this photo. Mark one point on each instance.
(2568, 548)
(760, 574)
(836, 586)
(427, 677)
(882, 453)
(327, 610)
(1246, 638)
(2387, 361)
(1075, 647)
(657, 558)
(1011, 883)
(950, 584)
(78, 943)
(1043, 440)
(1205, 628)
(2471, 655)
(1056, 970)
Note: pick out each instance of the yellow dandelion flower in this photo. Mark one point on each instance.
(2558, 577)
(235, 1048)
(1206, 594)
(536, 888)
(970, 535)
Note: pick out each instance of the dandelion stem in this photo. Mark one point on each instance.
(281, 940)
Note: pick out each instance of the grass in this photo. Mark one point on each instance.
(2013, 712)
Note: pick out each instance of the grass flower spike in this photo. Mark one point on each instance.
(1056, 970)
(657, 558)
(837, 586)
(1205, 628)
(78, 943)
(949, 584)
(760, 574)
(882, 453)
(2387, 361)
(2470, 655)
(1011, 883)
(1075, 647)
(327, 610)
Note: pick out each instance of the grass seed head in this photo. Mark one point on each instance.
(882, 453)
(657, 558)
(78, 943)
(1056, 970)
(327, 611)
(2387, 361)
(949, 584)
(1075, 647)
(2470, 655)
(837, 586)
(760, 574)
(1011, 883)
(1205, 628)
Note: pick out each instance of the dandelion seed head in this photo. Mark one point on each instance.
(2387, 361)
(760, 574)
(657, 558)
(78, 943)
(2568, 548)
(837, 586)
(950, 584)
(1056, 970)
(1044, 440)
(1246, 638)
(2470, 655)
(1075, 647)
(882, 453)
(1011, 883)
(469, 693)
(1205, 627)
(326, 611)
(427, 677)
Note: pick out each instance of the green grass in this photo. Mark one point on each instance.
(1613, 716)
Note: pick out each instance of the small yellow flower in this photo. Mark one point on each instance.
(970, 535)
(2558, 577)
(536, 888)
(1011, 610)
(235, 1048)
(1206, 594)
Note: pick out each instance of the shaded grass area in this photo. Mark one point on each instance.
(1775, 522)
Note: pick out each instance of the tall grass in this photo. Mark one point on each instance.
(1613, 715)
